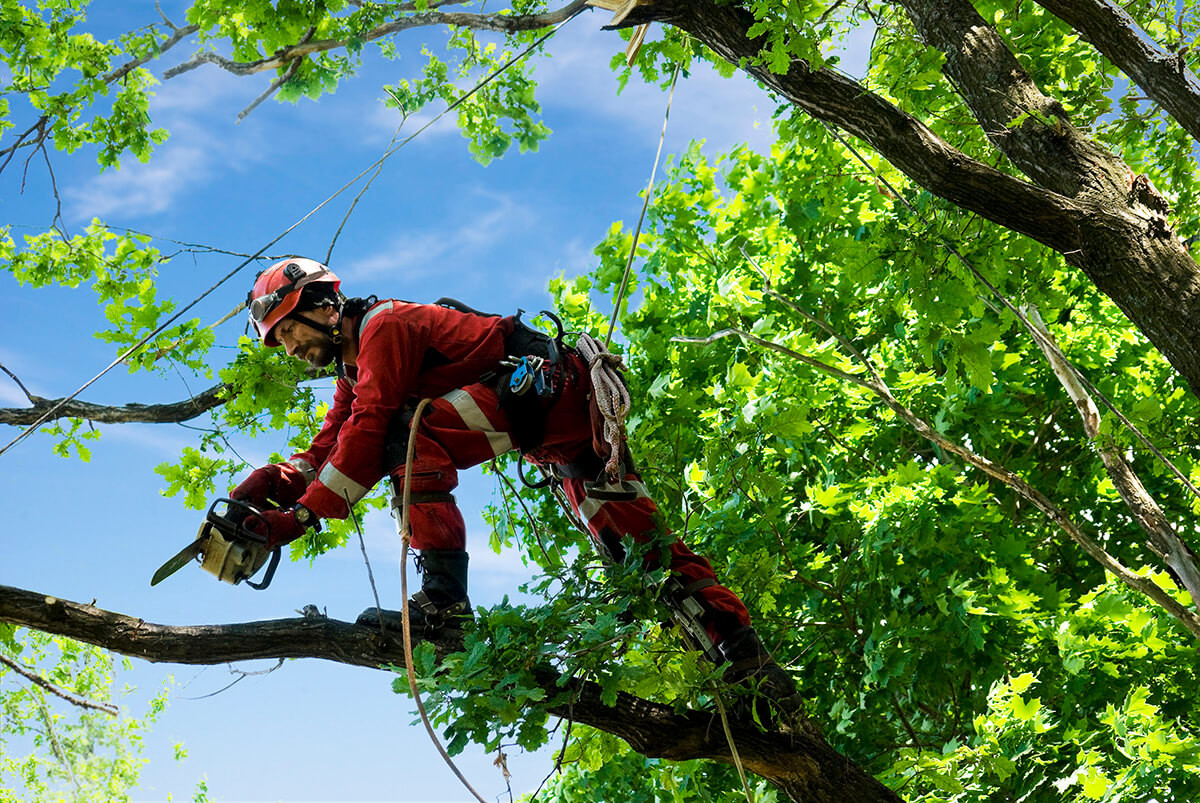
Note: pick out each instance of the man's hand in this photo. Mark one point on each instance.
(282, 483)
(281, 527)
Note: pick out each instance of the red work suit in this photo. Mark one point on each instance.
(407, 352)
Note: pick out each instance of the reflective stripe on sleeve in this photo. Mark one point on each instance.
(340, 484)
(590, 507)
(306, 469)
(468, 409)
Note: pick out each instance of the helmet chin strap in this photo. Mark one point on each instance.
(332, 331)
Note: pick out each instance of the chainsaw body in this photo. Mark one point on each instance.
(226, 548)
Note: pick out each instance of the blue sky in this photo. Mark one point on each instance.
(435, 223)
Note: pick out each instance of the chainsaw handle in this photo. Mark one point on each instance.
(233, 523)
(270, 575)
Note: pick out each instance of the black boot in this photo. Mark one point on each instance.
(442, 602)
(751, 665)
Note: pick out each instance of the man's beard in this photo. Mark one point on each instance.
(321, 353)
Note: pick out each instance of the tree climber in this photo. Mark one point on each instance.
(389, 354)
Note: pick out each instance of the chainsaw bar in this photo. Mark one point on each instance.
(183, 558)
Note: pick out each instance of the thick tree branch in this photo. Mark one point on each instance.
(1163, 76)
(1187, 617)
(171, 413)
(1017, 117)
(500, 23)
(1127, 246)
(801, 764)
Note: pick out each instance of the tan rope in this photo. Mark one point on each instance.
(733, 751)
(405, 538)
(612, 397)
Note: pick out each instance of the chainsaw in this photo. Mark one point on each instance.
(226, 548)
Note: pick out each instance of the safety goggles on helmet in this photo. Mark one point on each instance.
(262, 306)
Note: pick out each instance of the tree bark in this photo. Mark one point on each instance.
(170, 413)
(1163, 76)
(1091, 208)
(800, 763)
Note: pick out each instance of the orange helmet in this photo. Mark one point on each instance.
(276, 292)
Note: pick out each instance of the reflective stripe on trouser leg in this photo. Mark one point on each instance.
(639, 519)
(477, 435)
(463, 428)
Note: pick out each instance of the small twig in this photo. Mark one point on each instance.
(558, 762)
(362, 542)
(292, 69)
(25, 390)
(537, 532)
(733, 751)
(369, 181)
(73, 699)
(241, 675)
(62, 755)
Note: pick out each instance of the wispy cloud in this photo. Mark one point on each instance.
(197, 109)
(420, 253)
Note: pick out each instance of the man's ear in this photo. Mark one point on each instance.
(329, 314)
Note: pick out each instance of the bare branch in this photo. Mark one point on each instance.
(73, 699)
(176, 37)
(278, 82)
(171, 413)
(20, 384)
(1163, 540)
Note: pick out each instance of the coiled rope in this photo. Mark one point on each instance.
(611, 395)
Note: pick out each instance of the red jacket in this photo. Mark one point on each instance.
(406, 352)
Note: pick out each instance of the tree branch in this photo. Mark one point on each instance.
(40, 681)
(1118, 234)
(1163, 76)
(171, 413)
(1163, 540)
(500, 23)
(800, 763)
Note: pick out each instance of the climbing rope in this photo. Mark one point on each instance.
(405, 539)
(612, 323)
(611, 396)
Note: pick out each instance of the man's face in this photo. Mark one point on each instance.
(304, 342)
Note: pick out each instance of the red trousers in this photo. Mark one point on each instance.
(467, 427)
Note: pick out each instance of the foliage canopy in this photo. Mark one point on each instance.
(948, 635)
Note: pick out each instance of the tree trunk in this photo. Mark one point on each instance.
(800, 763)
